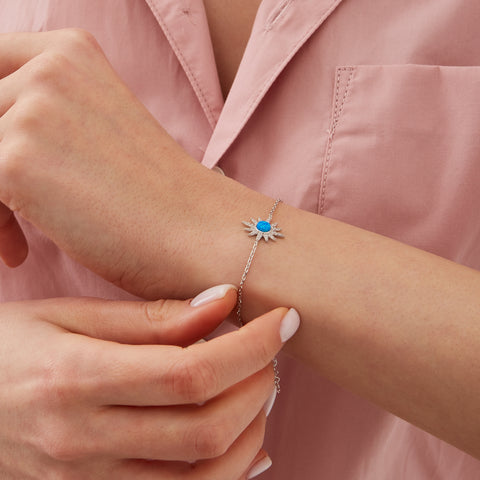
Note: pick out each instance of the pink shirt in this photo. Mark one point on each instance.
(360, 110)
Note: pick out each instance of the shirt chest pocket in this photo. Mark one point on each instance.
(403, 155)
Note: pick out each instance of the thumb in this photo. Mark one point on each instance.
(167, 322)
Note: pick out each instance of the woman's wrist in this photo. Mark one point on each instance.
(199, 239)
(221, 248)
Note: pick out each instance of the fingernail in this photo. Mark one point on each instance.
(270, 402)
(263, 465)
(289, 325)
(212, 294)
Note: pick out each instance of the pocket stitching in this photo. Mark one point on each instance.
(338, 108)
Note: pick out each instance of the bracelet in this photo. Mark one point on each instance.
(268, 231)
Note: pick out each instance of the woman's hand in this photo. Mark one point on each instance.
(83, 160)
(87, 391)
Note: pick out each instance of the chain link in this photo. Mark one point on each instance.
(241, 286)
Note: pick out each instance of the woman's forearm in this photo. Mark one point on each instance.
(392, 323)
(389, 322)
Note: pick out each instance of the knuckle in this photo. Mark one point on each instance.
(206, 379)
(52, 385)
(155, 314)
(30, 115)
(264, 354)
(58, 381)
(209, 440)
(79, 38)
(11, 165)
(16, 154)
(193, 378)
(56, 443)
(258, 350)
(47, 68)
(56, 396)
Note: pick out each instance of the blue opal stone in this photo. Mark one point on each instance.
(263, 226)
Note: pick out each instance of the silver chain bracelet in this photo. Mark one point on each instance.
(268, 231)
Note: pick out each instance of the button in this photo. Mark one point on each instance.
(219, 170)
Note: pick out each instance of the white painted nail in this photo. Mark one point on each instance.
(263, 465)
(270, 402)
(289, 325)
(212, 294)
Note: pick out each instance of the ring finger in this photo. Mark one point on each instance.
(233, 465)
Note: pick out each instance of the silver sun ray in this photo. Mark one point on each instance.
(263, 229)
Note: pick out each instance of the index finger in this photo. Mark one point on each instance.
(169, 375)
(16, 49)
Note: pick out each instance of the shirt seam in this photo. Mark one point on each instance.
(190, 75)
(338, 107)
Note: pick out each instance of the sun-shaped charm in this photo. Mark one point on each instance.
(262, 229)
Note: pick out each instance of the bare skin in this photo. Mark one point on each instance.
(52, 449)
(230, 26)
(72, 368)
(387, 321)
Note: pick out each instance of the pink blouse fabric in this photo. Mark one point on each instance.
(360, 110)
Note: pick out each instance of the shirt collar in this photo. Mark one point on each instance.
(281, 28)
(185, 26)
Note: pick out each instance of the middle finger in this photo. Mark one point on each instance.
(184, 433)
(150, 375)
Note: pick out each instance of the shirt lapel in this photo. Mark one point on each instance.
(280, 30)
(185, 26)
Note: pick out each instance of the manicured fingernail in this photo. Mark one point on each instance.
(289, 325)
(270, 402)
(212, 294)
(263, 465)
